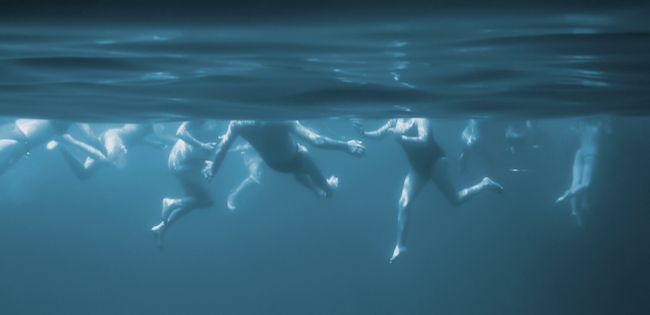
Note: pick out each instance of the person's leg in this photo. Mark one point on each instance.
(197, 196)
(83, 170)
(10, 152)
(585, 179)
(233, 195)
(254, 176)
(580, 186)
(576, 178)
(573, 201)
(309, 175)
(412, 185)
(326, 186)
(116, 151)
(585, 184)
(442, 177)
(306, 182)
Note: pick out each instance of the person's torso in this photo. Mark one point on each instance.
(272, 140)
(419, 153)
(184, 154)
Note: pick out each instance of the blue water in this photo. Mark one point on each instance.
(84, 247)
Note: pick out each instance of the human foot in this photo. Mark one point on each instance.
(399, 249)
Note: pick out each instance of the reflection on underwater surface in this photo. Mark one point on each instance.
(530, 65)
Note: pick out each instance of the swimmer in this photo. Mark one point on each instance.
(186, 160)
(427, 161)
(519, 138)
(274, 142)
(26, 134)
(584, 162)
(475, 144)
(113, 144)
(470, 137)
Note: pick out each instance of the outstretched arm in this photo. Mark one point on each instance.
(423, 132)
(382, 132)
(88, 136)
(227, 139)
(354, 147)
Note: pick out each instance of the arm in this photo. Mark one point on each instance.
(90, 150)
(88, 136)
(351, 146)
(317, 140)
(186, 136)
(382, 132)
(227, 139)
(423, 132)
(241, 148)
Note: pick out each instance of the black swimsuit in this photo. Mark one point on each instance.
(263, 137)
(422, 156)
(292, 165)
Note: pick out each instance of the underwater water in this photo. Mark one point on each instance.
(72, 246)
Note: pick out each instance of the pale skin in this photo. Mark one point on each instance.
(583, 167)
(519, 137)
(254, 165)
(186, 160)
(29, 133)
(276, 146)
(113, 147)
(470, 137)
(414, 134)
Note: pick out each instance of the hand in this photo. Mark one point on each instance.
(208, 170)
(209, 146)
(355, 147)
